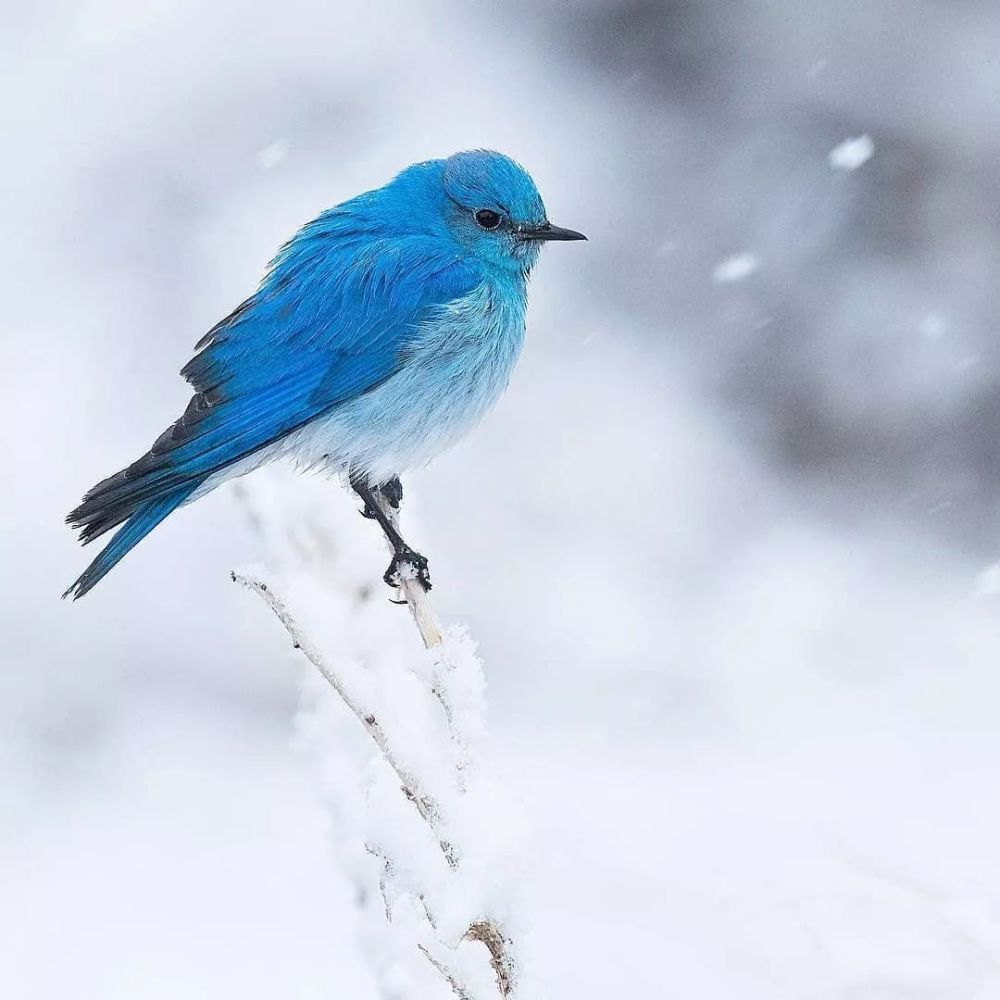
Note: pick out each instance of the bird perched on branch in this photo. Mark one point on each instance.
(381, 333)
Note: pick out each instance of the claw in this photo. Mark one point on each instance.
(416, 562)
(366, 511)
(393, 492)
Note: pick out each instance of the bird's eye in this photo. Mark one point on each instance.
(487, 219)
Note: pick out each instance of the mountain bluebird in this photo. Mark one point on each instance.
(381, 332)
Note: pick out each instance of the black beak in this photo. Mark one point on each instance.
(546, 231)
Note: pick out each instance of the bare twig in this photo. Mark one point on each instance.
(498, 946)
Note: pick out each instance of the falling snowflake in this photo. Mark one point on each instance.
(852, 153)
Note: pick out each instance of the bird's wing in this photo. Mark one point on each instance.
(322, 329)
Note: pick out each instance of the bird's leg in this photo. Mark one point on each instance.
(401, 552)
(393, 493)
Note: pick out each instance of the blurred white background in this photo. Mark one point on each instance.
(726, 543)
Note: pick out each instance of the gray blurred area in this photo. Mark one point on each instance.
(728, 545)
(862, 357)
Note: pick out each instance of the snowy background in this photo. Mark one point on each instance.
(728, 544)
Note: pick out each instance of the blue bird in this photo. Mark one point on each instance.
(380, 334)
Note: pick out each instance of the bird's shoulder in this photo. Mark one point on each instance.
(334, 295)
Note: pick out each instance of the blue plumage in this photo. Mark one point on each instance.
(381, 332)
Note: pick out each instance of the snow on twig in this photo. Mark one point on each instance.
(437, 767)
(426, 806)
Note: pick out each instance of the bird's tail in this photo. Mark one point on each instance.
(140, 523)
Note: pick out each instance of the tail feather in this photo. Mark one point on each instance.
(140, 523)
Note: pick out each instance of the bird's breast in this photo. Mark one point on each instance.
(462, 357)
(452, 372)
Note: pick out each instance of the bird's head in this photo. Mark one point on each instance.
(493, 208)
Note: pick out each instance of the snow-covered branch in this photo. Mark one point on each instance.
(430, 739)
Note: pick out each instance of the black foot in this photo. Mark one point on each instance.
(393, 492)
(418, 563)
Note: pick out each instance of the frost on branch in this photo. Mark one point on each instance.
(425, 834)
